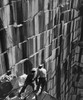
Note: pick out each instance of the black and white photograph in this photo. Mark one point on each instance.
(41, 49)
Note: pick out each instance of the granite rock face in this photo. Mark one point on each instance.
(34, 32)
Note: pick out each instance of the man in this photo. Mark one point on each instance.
(30, 80)
(42, 75)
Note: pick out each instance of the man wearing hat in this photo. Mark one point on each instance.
(42, 75)
(30, 80)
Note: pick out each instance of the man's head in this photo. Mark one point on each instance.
(33, 70)
(40, 66)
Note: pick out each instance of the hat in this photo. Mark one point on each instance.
(33, 70)
(40, 66)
